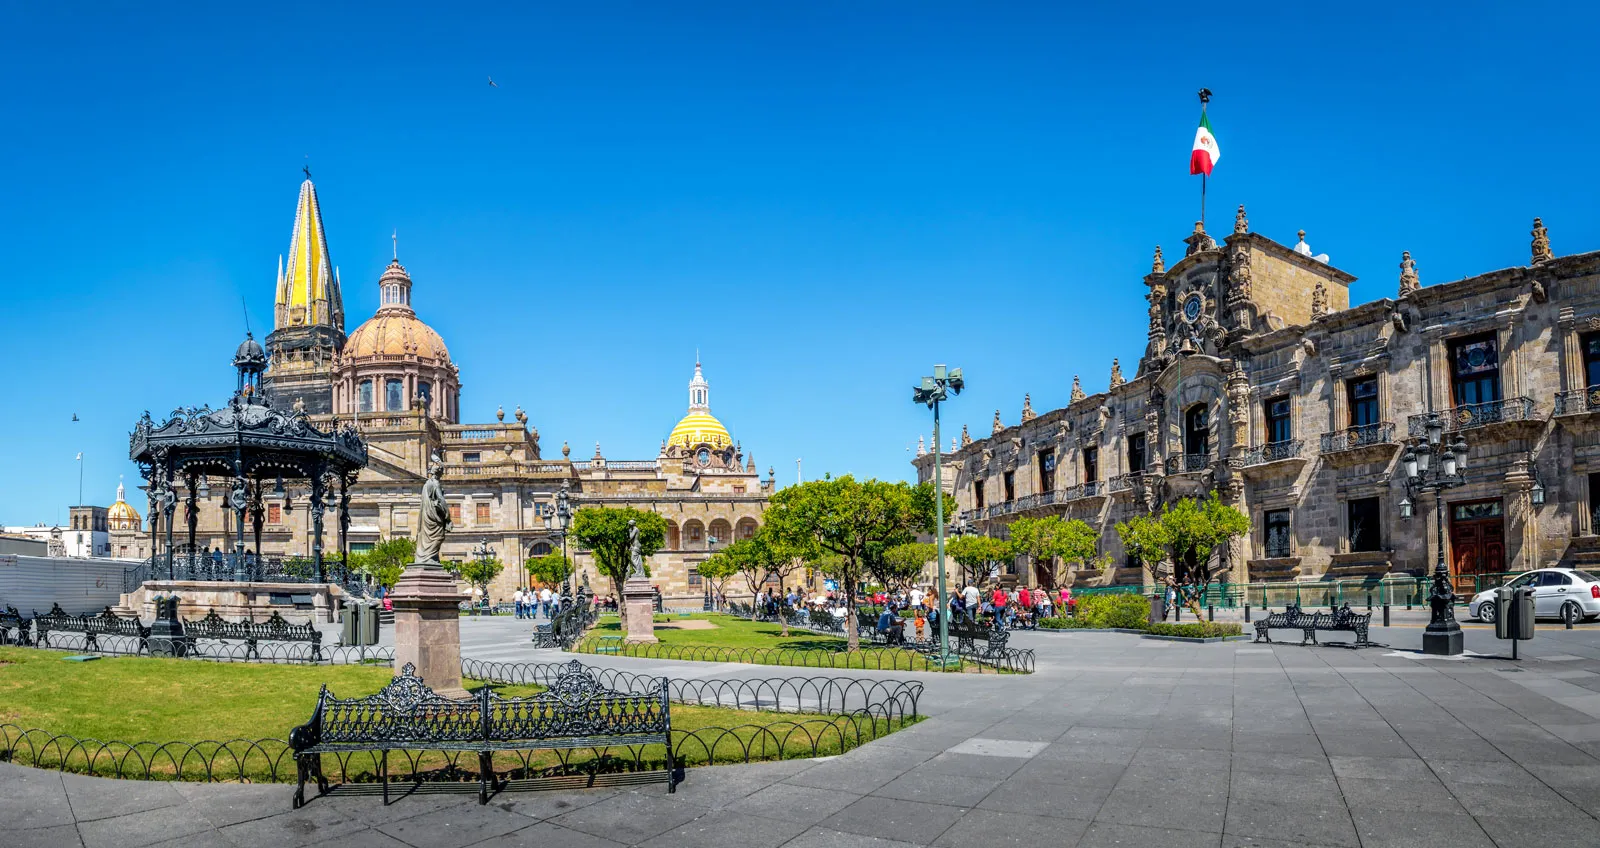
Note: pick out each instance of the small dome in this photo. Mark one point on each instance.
(700, 428)
(121, 516)
(394, 332)
(249, 352)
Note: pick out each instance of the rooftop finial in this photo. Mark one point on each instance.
(966, 439)
(1158, 265)
(1241, 224)
(307, 169)
(922, 447)
(1319, 301)
(1116, 373)
(1077, 390)
(1408, 274)
(1541, 243)
(1027, 408)
(997, 425)
(395, 236)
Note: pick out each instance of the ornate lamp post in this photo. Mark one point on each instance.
(931, 392)
(558, 524)
(1424, 470)
(482, 553)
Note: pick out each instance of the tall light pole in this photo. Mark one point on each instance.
(931, 392)
(558, 524)
(1443, 635)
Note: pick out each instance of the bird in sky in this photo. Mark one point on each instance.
(493, 83)
(74, 416)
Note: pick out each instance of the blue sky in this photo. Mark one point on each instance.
(824, 198)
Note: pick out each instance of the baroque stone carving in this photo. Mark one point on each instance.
(1116, 374)
(1409, 282)
(1541, 243)
(997, 425)
(1027, 408)
(1158, 265)
(1077, 390)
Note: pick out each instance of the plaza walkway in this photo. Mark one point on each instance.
(1115, 741)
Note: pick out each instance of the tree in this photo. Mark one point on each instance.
(552, 569)
(1187, 533)
(843, 516)
(604, 531)
(386, 560)
(477, 572)
(764, 557)
(899, 567)
(717, 571)
(975, 553)
(1045, 539)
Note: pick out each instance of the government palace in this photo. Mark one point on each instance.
(1260, 382)
(393, 378)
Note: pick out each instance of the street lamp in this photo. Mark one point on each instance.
(1443, 634)
(931, 391)
(482, 553)
(557, 525)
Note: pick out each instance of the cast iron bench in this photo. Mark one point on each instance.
(103, 623)
(274, 629)
(575, 712)
(10, 619)
(1340, 619)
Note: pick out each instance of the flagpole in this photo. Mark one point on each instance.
(1205, 97)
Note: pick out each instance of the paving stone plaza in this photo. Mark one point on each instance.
(1116, 740)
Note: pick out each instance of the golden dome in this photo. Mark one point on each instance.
(700, 428)
(396, 332)
(120, 514)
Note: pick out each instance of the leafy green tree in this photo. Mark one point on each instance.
(975, 553)
(717, 571)
(843, 516)
(604, 531)
(478, 572)
(386, 560)
(1187, 533)
(1045, 539)
(899, 567)
(764, 557)
(552, 569)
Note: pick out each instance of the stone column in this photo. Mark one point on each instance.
(639, 595)
(427, 627)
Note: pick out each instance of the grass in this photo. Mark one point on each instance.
(138, 699)
(736, 639)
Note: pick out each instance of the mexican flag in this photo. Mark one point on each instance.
(1206, 152)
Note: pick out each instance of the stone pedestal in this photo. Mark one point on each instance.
(427, 627)
(640, 597)
(166, 633)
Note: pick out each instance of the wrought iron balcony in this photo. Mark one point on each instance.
(1188, 462)
(1084, 490)
(1350, 438)
(1470, 415)
(1126, 482)
(1578, 401)
(1274, 451)
(1025, 502)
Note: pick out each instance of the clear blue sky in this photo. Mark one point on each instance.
(824, 198)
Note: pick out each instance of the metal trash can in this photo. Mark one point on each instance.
(369, 624)
(348, 623)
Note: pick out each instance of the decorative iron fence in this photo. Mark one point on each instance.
(1188, 462)
(231, 568)
(1350, 438)
(1471, 415)
(1273, 452)
(568, 626)
(1577, 401)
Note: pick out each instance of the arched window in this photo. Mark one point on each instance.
(425, 393)
(540, 549)
(1197, 431)
(746, 528)
(721, 533)
(674, 538)
(393, 396)
(694, 535)
(364, 396)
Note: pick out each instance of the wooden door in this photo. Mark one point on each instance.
(1477, 543)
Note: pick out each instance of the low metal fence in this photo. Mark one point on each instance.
(1395, 591)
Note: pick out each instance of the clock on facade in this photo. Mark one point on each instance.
(1191, 308)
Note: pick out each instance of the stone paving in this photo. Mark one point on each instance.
(1115, 741)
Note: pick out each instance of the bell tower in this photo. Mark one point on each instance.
(308, 317)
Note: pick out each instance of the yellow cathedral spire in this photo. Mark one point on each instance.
(308, 283)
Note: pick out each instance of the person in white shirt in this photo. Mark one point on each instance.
(916, 597)
(544, 600)
(516, 601)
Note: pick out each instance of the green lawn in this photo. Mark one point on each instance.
(139, 699)
(735, 639)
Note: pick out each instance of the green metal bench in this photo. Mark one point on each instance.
(609, 645)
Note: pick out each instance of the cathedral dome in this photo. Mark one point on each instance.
(395, 330)
(122, 516)
(700, 428)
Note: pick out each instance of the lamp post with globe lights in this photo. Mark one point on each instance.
(931, 392)
(1431, 462)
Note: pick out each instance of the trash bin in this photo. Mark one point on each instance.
(347, 624)
(369, 624)
(1158, 607)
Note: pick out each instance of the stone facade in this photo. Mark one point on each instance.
(1259, 382)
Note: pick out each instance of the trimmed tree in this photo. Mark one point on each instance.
(1188, 534)
(604, 531)
(717, 571)
(844, 516)
(899, 567)
(477, 572)
(760, 558)
(1045, 539)
(552, 569)
(975, 553)
(386, 560)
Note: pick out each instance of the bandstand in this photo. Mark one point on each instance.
(247, 448)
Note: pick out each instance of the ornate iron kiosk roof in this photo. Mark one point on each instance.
(249, 444)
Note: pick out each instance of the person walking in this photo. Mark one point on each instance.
(544, 601)
(999, 601)
(516, 603)
(969, 600)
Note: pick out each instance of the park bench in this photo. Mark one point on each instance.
(1339, 619)
(252, 633)
(11, 620)
(103, 623)
(609, 645)
(577, 711)
(967, 634)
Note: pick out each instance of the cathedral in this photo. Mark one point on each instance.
(1260, 382)
(393, 378)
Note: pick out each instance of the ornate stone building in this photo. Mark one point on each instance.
(394, 378)
(1259, 381)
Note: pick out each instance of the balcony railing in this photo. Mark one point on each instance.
(1085, 490)
(1471, 415)
(1381, 433)
(1126, 482)
(1578, 401)
(631, 464)
(1274, 451)
(1188, 462)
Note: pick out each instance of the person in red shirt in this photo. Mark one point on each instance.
(1024, 599)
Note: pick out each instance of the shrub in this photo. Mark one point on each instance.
(1061, 623)
(1117, 609)
(1196, 629)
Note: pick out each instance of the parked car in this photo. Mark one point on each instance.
(1564, 593)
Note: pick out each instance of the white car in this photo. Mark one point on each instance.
(1564, 593)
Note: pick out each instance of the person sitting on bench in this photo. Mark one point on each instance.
(889, 626)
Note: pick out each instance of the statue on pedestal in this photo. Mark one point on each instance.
(434, 519)
(635, 558)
